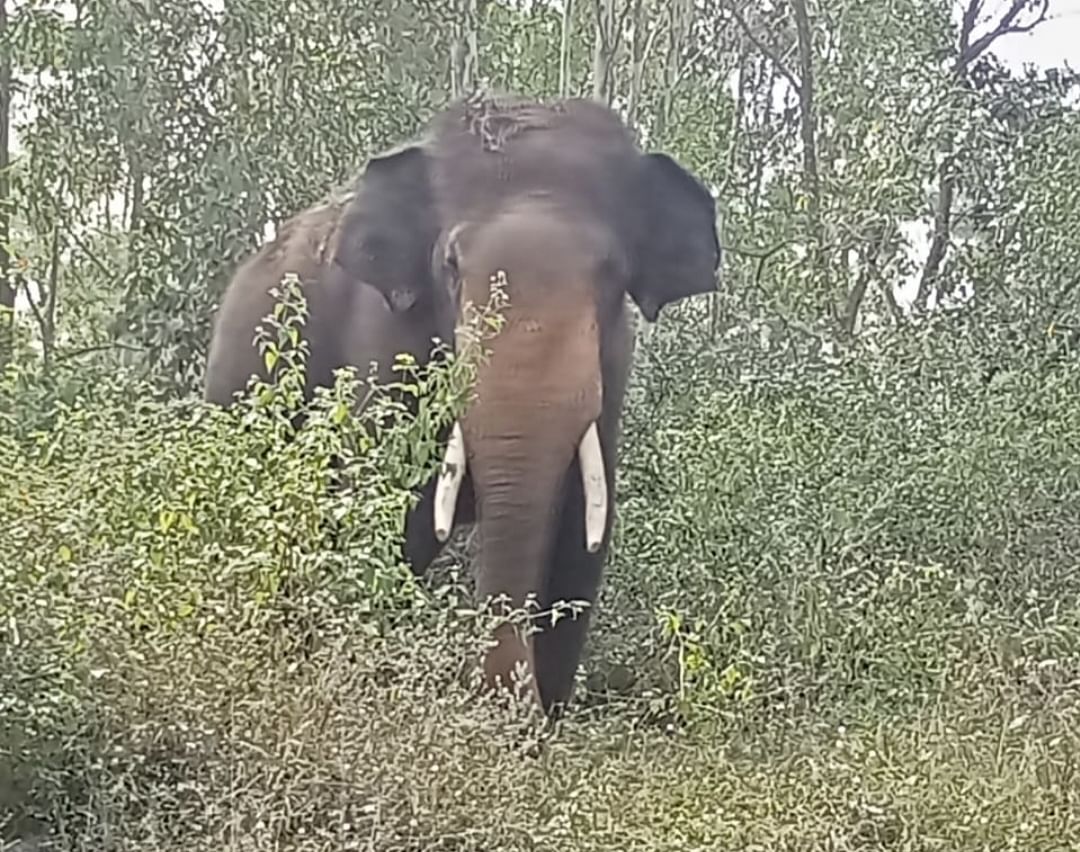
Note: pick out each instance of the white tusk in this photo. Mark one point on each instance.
(594, 484)
(450, 479)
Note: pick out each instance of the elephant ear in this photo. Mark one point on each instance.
(389, 227)
(679, 252)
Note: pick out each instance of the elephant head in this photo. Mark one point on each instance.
(560, 200)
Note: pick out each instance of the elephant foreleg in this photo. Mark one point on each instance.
(421, 546)
(574, 574)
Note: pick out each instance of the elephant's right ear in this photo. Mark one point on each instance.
(389, 227)
(679, 252)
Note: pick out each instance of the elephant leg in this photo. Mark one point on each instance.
(421, 547)
(574, 574)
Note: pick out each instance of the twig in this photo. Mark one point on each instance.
(88, 350)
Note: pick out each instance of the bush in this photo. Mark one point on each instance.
(842, 612)
(855, 530)
(169, 561)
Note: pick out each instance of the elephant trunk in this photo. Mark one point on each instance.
(518, 441)
(516, 513)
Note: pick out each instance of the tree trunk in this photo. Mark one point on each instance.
(807, 121)
(604, 47)
(680, 15)
(7, 283)
(464, 50)
(763, 113)
(942, 228)
(637, 64)
(564, 47)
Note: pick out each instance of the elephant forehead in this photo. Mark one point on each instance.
(541, 244)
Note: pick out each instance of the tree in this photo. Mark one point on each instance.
(7, 284)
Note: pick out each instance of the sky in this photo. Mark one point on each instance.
(1053, 43)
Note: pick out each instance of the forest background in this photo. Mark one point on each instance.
(842, 606)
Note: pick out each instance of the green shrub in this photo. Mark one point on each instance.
(165, 560)
(852, 531)
(842, 612)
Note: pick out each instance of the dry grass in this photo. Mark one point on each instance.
(380, 744)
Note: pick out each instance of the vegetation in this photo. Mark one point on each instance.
(843, 607)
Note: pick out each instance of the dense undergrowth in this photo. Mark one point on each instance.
(843, 612)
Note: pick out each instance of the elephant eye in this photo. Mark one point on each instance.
(450, 260)
(613, 266)
(454, 272)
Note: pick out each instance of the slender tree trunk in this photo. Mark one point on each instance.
(637, 64)
(472, 40)
(763, 110)
(737, 121)
(564, 47)
(730, 157)
(135, 207)
(603, 49)
(464, 49)
(680, 13)
(138, 189)
(807, 120)
(48, 324)
(877, 246)
(7, 283)
(942, 229)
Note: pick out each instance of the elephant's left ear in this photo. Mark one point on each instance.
(389, 226)
(679, 252)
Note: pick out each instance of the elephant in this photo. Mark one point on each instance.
(559, 198)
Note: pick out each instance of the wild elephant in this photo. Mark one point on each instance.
(559, 198)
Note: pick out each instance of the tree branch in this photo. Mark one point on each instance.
(104, 347)
(970, 51)
(769, 53)
(967, 25)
